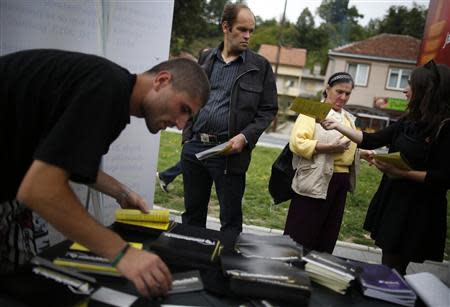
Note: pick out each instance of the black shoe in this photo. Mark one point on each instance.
(163, 185)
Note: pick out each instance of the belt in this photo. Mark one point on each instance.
(210, 138)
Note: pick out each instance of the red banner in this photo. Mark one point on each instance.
(436, 37)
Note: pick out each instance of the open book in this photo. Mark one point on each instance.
(156, 219)
(394, 158)
(214, 151)
(317, 110)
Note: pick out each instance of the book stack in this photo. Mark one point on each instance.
(187, 251)
(330, 271)
(81, 259)
(381, 282)
(260, 278)
(429, 288)
(277, 247)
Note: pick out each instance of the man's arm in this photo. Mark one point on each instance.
(124, 196)
(45, 189)
(267, 109)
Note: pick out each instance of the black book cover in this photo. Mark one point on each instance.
(281, 247)
(260, 278)
(192, 252)
(183, 282)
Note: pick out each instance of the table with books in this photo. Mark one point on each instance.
(210, 268)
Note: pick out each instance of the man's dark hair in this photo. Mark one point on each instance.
(230, 12)
(187, 76)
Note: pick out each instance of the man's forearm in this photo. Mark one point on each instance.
(45, 189)
(110, 186)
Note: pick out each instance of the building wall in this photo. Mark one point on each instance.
(376, 84)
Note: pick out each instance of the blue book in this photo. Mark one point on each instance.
(381, 282)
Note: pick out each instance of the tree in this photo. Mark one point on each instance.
(341, 21)
(184, 31)
(401, 20)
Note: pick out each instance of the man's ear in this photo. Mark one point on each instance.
(162, 79)
(225, 27)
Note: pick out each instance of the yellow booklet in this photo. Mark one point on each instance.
(314, 109)
(80, 248)
(77, 259)
(155, 219)
(393, 158)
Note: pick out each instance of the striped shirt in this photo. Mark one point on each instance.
(213, 117)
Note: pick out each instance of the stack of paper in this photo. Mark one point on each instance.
(430, 289)
(381, 282)
(276, 247)
(81, 259)
(155, 219)
(330, 271)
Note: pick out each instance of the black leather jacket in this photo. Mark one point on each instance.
(253, 104)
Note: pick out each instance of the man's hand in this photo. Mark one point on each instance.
(147, 271)
(237, 144)
(128, 199)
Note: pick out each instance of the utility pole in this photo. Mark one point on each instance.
(280, 39)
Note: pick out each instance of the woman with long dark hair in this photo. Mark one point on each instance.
(407, 215)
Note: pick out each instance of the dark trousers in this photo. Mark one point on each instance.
(315, 223)
(169, 175)
(198, 177)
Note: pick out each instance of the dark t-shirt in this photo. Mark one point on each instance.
(64, 108)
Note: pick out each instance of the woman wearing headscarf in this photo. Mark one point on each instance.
(326, 165)
(407, 215)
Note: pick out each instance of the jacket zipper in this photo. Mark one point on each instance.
(229, 109)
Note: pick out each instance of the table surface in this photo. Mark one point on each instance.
(26, 289)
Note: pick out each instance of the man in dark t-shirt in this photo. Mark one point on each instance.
(59, 113)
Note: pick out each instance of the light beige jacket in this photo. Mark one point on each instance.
(314, 170)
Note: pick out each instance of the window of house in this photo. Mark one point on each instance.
(359, 72)
(398, 78)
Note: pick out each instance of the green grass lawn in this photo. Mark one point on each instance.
(257, 202)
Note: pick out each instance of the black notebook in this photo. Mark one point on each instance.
(260, 278)
(192, 252)
(277, 247)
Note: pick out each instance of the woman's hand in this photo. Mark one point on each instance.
(329, 124)
(389, 169)
(340, 145)
(367, 155)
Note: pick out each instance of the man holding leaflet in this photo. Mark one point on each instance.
(241, 106)
(59, 113)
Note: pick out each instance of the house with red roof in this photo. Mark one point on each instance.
(381, 67)
(293, 79)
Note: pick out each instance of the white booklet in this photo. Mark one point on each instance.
(214, 151)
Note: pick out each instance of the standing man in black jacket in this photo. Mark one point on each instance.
(242, 104)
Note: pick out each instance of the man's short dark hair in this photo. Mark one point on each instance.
(230, 12)
(187, 76)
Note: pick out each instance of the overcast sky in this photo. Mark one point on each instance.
(268, 9)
